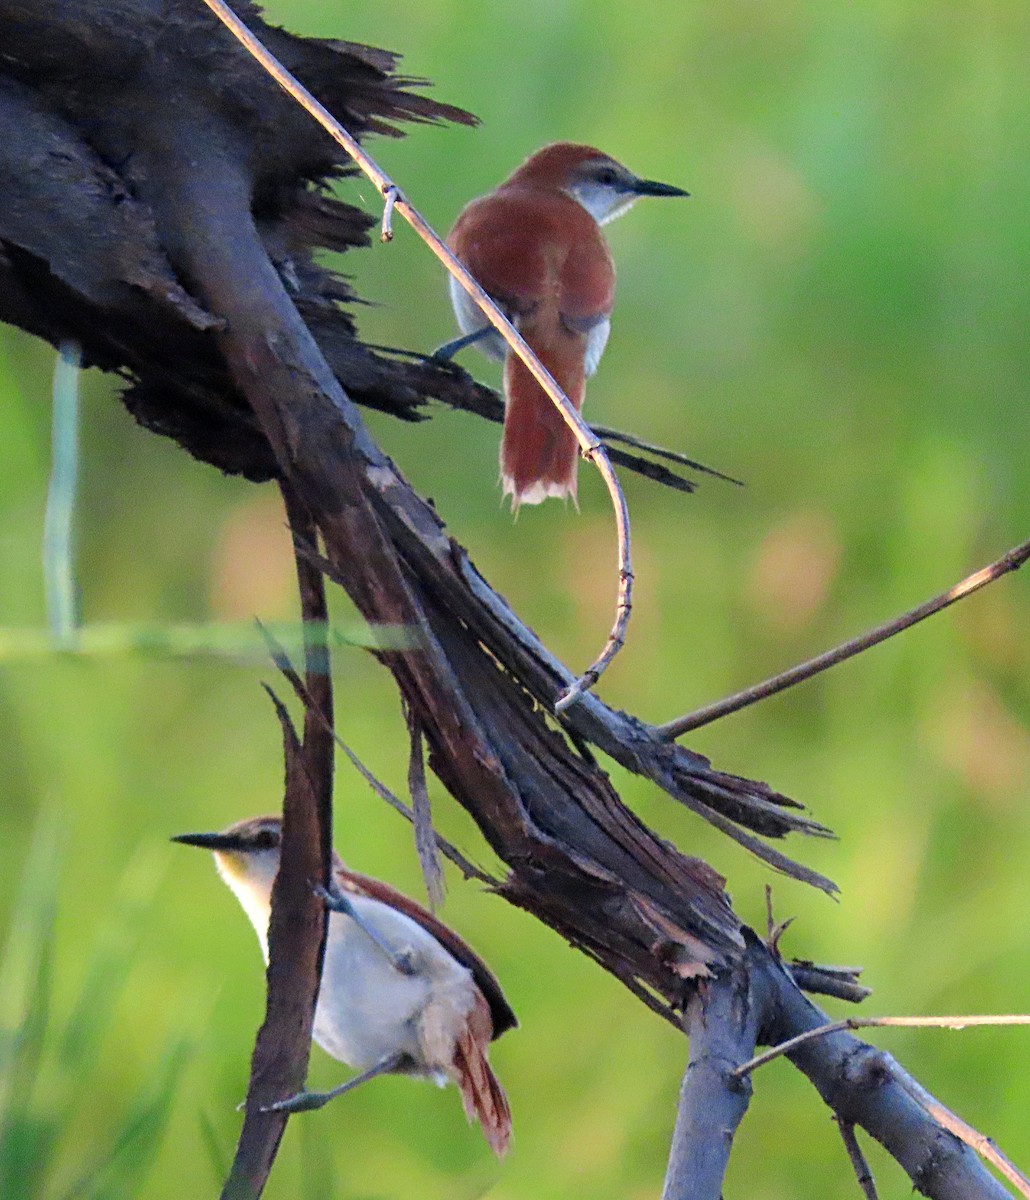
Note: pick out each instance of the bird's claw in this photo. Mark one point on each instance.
(301, 1102)
(446, 352)
(404, 960)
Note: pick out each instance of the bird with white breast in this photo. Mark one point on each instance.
(401, 992)
(535, 246)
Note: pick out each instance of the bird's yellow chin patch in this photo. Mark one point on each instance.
(231, 866)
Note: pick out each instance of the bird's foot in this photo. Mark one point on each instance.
(447, 351)
(309, 1101)
(301, 1102)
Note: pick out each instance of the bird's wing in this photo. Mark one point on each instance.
(496, 239)
(526, 246)
(364, 885)
(536, 251)
(587, 284)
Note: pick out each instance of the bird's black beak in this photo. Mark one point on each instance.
(211, 841)
(651, 187)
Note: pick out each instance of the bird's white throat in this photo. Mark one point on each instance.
(602, 202)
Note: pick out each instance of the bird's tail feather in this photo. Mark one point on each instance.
(539, 453)
(481, 1091)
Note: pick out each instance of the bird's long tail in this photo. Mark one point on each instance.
(481, 1091)
(539, 454)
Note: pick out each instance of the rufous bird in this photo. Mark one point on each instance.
(401, 992)
(535, 246)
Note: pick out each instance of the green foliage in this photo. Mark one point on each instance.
(49, 1060)
(838, 316)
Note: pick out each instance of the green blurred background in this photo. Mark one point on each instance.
(839, 317)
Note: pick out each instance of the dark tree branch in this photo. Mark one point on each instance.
(296, 936)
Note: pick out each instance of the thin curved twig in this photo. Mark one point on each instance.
(590, 445)
(1011, 561)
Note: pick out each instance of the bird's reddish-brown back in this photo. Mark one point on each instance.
(530, 246)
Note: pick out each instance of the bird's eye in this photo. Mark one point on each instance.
(266, 839)
(607, 176)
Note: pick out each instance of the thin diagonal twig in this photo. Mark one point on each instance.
(630, 439)
(980, 1142)
(858, 1160)
(464, 865)
(282, 662)
(590, 445)
(1011, 561)
(962, 1022)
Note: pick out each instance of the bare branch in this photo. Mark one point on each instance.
(966, 1022)
(858, 1160)
(425, 834)
(865, 1086)
(590, 446)
(983, 1145)
(628, 439)
(839, 982)
(722, 1024)
(296, 933)
(1011, 561)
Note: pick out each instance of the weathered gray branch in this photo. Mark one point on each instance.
(723, 1026)
(867, 1087)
